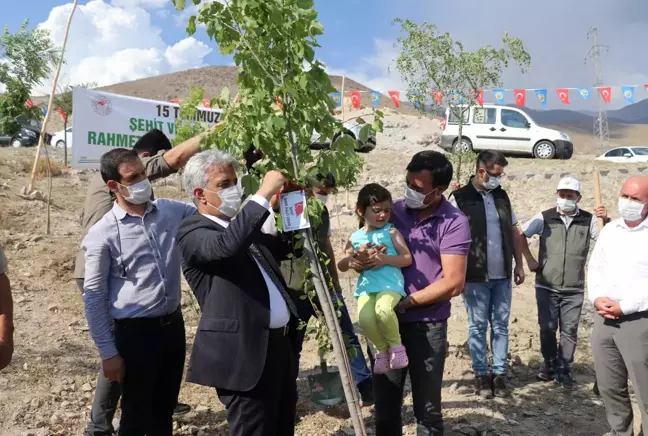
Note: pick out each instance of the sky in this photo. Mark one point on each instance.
(113, 41)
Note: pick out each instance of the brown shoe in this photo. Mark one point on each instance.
(499, 386)
(483, 387)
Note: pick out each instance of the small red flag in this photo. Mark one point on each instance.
(278, 101)
(520, 97)
(438, 97)
(563, 94)
(174, 101)
(299, 208)
(606, 94)
(62, 113)
(395, 96)
(646, 86)
(355, 99)
(206, 102)
(29, 103)
(479, 97)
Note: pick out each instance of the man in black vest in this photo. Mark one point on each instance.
(565, 232)
(487, 296)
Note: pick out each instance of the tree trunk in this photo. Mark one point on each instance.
(65, 140)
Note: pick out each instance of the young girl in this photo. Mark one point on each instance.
(378, 251)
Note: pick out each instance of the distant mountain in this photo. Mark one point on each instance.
(636, 113)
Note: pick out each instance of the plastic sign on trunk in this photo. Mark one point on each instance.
(293, 211)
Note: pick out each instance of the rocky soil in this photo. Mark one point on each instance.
(47, 390)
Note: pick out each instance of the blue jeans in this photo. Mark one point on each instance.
(359, 368)
(488, 302)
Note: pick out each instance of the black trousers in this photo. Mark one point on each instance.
(268, 409)
(426, 345)
(559, 310)
(153, 350)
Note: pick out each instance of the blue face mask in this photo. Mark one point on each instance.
(492, 183)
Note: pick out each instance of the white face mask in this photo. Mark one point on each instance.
(139, 193)
(630, 210)
(415, 200)
(493, 183)
(322, 198)
(566, 205)
(231, 199)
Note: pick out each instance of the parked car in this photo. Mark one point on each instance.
(503, 128)
(625, 155)
(27, 136)
(58, 139)
(352, 129)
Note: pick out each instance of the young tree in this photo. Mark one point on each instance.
(283, 99)
(63, 102)
(26, 59)
(431, 61)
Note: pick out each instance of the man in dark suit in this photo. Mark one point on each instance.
(242, 346)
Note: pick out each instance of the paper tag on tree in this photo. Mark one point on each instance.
(293, 211)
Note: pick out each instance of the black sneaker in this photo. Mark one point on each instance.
(547, 372)
(483, 387)
(499, 386)
(181, 409)
(566, 380)
(366, 392)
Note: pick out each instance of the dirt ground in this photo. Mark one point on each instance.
(48, 388)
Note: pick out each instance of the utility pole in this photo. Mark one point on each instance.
(601, 128)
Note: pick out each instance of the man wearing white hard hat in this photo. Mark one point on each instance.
(565, 233)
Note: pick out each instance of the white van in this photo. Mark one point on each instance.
(503, 128)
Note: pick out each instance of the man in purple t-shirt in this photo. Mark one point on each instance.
(439, 238)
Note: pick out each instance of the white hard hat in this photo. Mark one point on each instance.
(569, 183)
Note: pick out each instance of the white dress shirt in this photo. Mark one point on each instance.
(618, 268)
(279, 313)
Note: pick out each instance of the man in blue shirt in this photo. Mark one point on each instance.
(132, 276)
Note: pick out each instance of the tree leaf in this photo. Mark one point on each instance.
(364, 133)
(180, 4)
(191, 27)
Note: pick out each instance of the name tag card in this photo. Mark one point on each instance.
(293, 211)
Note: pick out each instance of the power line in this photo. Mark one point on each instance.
(601, 127)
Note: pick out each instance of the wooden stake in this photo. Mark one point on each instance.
(597, 195)
(342, 97)
(50, 104)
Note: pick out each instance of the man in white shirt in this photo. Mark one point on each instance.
(243, 346)
(618, 288)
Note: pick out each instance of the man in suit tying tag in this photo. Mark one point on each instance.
(242, 346)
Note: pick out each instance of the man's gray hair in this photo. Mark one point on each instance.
(196, 172)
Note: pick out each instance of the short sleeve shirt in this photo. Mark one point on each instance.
(446, 232)
(4, 268)
(536, 224)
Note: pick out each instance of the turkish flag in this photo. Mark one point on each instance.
(479, 97)
(206, 102)
(606, 94)
(438, 97)
(299, 208)
(395, 96)
(563, 94)
(29, 103)
(278, 101)
(62, 113)
(355, 99)
(174, 101)
(520, 97)
(646, 86)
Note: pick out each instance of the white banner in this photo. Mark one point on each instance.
(103, 121)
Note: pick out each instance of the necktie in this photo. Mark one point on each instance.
(258, 255)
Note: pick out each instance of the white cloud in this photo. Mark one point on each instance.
(141, 3)
(110, 44)
(376, 71)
